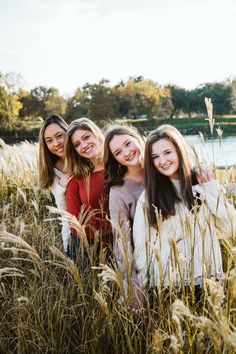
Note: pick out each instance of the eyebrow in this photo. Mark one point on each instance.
(82, 136)
(50, 137)
(153, 154)
(115, 151)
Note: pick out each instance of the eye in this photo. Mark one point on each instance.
(128, 143)
(154, 157)
(86, 137)
(117, 153)
(48, 141)
(168, 152)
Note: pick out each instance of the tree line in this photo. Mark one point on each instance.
(137, 97)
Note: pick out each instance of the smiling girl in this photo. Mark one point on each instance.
(85, 191)
(177, 220)
(123, 161)
(51, 165)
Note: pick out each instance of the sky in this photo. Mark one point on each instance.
(67, 43)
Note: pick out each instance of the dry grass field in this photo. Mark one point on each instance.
(47, 305)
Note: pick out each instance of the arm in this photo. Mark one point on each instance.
(59, 194)
(140, 233)
(217, 203)
(122, 244)
(73, 201)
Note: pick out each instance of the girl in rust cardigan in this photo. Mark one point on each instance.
(85, 196)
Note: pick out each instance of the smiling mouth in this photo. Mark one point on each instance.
(86, 151)
(166, 167)
(61, 149)
(130, 157)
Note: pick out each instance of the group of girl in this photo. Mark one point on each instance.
(166, 218)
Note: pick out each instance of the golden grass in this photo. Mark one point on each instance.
(49, 305)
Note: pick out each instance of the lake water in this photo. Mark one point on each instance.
(213, 152)
(210, 151)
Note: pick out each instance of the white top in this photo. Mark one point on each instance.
(186, 246)
(59, 193)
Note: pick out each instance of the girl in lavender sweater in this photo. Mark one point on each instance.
(124, 178)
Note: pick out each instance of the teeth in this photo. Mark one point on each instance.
(88, 149)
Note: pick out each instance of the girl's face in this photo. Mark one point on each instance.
(126, 150)
(85, 143)
(165, 158)
(54, 137)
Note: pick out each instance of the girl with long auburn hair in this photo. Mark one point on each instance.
(85, 192)
(177, 220)
(51, 165)
(124, 176)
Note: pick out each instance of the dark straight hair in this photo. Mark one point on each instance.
(161, 194)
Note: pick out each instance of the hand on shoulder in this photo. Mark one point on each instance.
(65, 179)
(203, 174)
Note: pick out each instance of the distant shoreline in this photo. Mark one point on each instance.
(187, 126)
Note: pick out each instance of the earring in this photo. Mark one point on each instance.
(119, 171)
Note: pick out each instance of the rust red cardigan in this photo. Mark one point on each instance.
(88, 191)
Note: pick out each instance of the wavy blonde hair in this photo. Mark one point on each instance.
(74, 163)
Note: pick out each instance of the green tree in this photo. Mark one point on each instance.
(9, 108)
(41, 102)
(77, 105)
(142, 97)
(220, 94)
(102, 100)
(233, 97)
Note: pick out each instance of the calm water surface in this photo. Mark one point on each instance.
(212, 151)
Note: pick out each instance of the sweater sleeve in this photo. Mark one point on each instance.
(140, 241)
(73, 201)
(59, 194)
(122, 243)
(216, 201)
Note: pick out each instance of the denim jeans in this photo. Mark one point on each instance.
(80, 255)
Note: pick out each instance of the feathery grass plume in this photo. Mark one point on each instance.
(122, 241)
(70, 267)
(175, 346)
(158, 339)
(201, 137)
(10, 272)
(108, 274)
(76, 223)
(98, 296)
(209, 107)
(179, 311)
(7, 237)
(219, 134)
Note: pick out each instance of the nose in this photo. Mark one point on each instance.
(57, 142)
(83, 144)
(162, 159)
(126, 152)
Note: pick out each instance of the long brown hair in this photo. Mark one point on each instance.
(74, 163)
(115, 172)
(47, 160)
(160, 191)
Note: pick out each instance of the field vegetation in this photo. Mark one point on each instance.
(47, 305)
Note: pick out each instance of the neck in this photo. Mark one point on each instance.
(60, 164)
(135, 172)
(97, 164)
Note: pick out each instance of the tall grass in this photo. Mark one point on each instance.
(49, 305)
